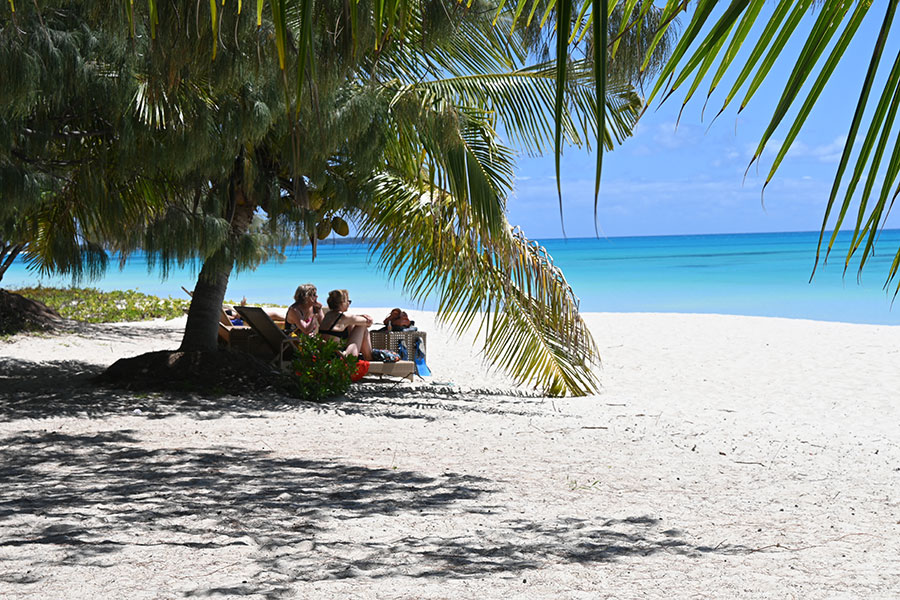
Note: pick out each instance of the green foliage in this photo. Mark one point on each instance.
(811, 37)
(319, 370)
(93, 306)
(176, 155)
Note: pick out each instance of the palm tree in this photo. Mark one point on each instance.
(436, 139)
(404, 138)
(712, 37)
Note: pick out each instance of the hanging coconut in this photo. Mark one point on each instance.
(340, 227)
(315, 200)
(323, 229)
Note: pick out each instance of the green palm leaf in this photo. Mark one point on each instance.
(874, 161)
(527, 312)
(524, 104)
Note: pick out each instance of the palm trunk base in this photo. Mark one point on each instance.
(209, 374)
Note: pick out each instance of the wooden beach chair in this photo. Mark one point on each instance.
(281, 345)
(236, 337)
(402, 369)
(275, 340)
(239, 340)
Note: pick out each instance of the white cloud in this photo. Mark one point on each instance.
(667, 135)
(830, 153)
(825, 153)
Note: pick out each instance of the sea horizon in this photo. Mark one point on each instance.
(753, 274)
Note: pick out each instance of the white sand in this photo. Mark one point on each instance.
(726, 457)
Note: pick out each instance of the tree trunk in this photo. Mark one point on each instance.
(202, 328)
(8, 254)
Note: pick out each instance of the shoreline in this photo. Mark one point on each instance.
(750, 274)
(746, 457)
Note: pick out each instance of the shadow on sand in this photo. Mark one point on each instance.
(88, 499)
(32, 390)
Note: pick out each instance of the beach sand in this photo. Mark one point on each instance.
(726, 457)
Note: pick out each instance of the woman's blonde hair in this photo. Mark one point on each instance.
(304, 292)
(336, 298)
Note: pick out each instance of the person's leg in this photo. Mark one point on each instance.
(351, 349)
(355, 342)
(366, 343)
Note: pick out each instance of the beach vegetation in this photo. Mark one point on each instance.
(197, 152)
(319, 370)
(91, 305)
(327, 135)
(708, 36)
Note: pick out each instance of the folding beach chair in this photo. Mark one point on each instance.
(274, 338)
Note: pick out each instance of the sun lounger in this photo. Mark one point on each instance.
(281, 345)
(226, 327)
(276, 341)
(403, 369)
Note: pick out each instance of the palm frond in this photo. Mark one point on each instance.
(874, 198)
(523, 102)
(527, 312)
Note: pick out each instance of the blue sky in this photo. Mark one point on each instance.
(690, 180)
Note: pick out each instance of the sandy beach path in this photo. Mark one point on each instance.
(726, 457)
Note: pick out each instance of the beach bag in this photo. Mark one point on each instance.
(387, 356)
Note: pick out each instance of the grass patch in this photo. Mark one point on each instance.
(93, 306)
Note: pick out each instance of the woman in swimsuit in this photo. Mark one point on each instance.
(353, 328)
(305, 314)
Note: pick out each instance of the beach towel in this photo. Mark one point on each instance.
(381, 355)
(362, 367)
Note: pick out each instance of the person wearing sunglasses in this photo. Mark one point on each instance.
(305, 314)
(354, 329)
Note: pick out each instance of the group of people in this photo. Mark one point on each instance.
(307, 316)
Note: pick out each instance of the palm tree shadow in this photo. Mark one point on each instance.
(39, 390)
(93, 498)
(429, 403)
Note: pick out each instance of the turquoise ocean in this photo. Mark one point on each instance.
(760, 274)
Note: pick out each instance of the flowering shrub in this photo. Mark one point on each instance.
(318, 369)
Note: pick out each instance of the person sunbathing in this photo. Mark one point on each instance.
(305, 314)
(352, 328)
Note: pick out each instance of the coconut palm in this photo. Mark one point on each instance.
(442, 186)
(712, 37)
(403, 138)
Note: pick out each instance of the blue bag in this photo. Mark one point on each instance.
(421, 368)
